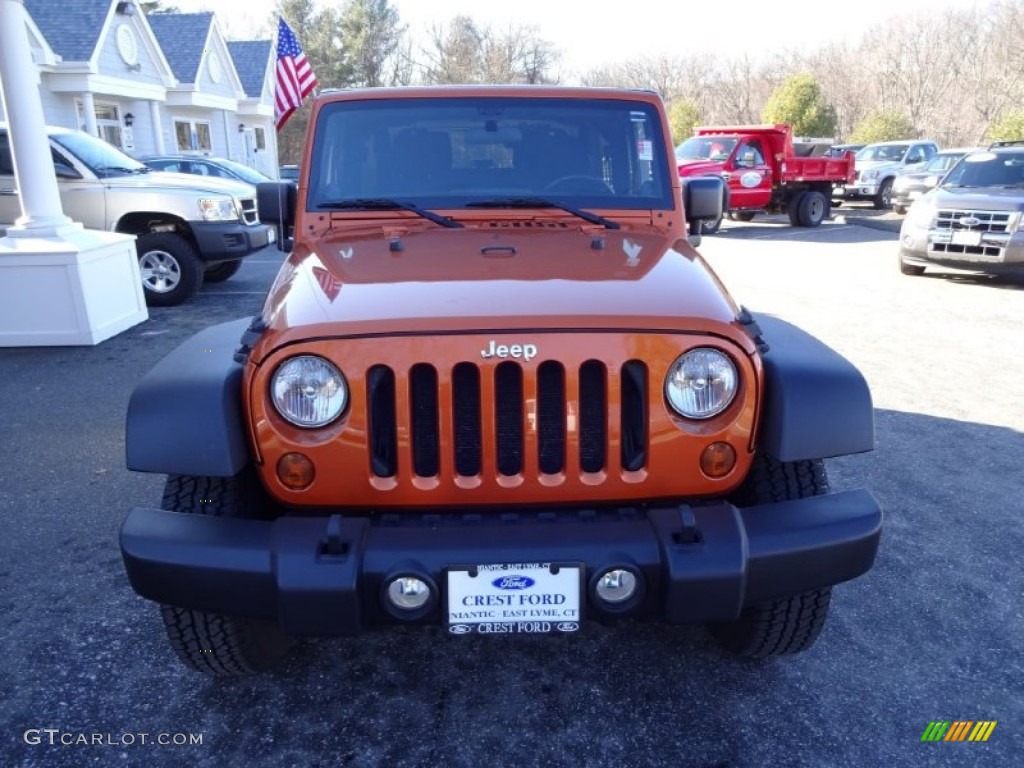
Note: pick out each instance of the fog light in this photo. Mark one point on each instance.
(717, 460)
(408, 593)
(295, 471)
(616, 586)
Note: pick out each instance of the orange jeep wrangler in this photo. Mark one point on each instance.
(494, 389)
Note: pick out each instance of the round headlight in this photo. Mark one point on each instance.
(308, 391)
(701, 383)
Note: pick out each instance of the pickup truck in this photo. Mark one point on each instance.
(763, 172)
(188, 229)
(495, 390)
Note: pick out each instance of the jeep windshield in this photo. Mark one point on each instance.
(988, 169)
(98, 156)
(475, 152)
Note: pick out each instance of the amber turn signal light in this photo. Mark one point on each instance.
(295, 471)
(717, 460)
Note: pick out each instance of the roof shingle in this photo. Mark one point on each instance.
(71, 27)
(250, 57)
(182, 37)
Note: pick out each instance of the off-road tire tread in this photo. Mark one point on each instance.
(787, 625)
(217, 645)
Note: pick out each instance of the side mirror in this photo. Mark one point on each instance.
(703, 198)
(65, 171)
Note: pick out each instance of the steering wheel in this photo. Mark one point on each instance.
(579, 184)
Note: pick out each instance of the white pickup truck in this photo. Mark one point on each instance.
(189, 228)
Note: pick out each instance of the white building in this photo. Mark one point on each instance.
(166, 83)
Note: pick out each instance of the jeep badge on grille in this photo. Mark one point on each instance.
(518, 351)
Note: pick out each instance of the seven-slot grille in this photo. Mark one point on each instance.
(518, 419)
(953, 226)
(249, 214)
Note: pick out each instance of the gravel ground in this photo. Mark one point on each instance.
(934, 631)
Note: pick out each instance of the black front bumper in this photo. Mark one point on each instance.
(327, 576)
(229, 240)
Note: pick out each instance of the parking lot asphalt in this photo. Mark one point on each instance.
(934, 632)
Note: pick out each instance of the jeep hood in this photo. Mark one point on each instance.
(436, 280)
(185, 182)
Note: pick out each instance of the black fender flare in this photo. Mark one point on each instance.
(816, 403)
(185, 415)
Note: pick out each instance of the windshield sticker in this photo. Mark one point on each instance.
(981, 157)
(632, 251)
(645, 149)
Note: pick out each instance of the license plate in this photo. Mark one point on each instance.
(514, 598)
(966, 238)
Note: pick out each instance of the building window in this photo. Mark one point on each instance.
(261, 137)
(108, 122)
(192, 136)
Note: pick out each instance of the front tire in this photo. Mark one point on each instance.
(171, 270)
(791, 624)
(883, 200)
(910, 269)
(222, 271)
(211, 643)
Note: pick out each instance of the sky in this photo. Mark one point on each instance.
(589, 36)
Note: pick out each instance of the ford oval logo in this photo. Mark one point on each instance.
(969, 221)
(567, 626)
(513, 582)
(460, 629)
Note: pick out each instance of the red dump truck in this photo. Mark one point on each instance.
(763, 172)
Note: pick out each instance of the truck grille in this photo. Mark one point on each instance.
(540, 397)
(976, 221)
(249, 213)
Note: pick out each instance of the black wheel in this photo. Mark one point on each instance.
(883, 200)
(743, 215)
(793, 208)
(813, 208)
(171, 271)
(710, 226)
(791, 624)
(218, 645)
(222, 271)
(910, 269)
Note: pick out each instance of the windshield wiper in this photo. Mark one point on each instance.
(543, 202)
(386, 204)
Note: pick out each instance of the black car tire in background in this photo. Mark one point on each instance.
(171, 270)
(218, 273)
(883, 200)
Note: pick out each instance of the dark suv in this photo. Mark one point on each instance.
(974, 219)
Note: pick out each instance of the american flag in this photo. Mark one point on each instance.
(295, 78)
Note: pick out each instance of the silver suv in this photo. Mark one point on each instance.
(188, 228)
(974, 219)
(877, 167)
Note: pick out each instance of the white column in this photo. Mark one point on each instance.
(158, 127)
(89, 108)
(30, 148)
(59, 283)
(227, 135)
